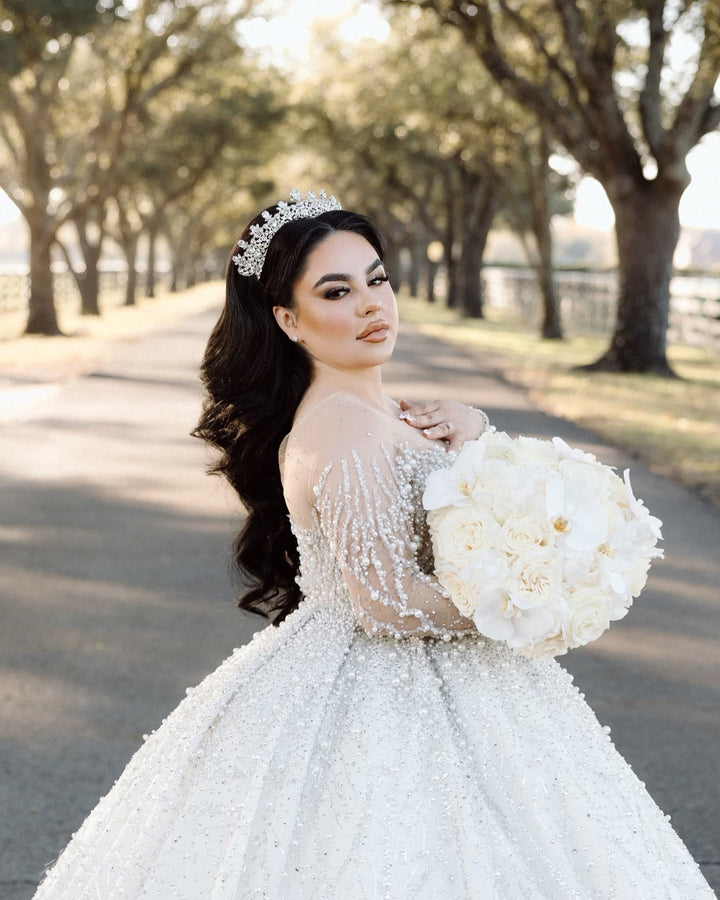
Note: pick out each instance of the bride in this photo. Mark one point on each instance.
(370, 743)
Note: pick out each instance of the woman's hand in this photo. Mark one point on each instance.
(445, 420)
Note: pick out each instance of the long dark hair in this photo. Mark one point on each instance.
(255, 377)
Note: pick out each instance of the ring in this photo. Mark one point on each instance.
(450, 427)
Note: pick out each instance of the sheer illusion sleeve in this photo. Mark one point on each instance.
(346, 477)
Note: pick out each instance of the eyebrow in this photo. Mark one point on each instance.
(340, 276)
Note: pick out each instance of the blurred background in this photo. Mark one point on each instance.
(138, 137)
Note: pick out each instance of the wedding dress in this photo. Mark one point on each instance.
(372, 746)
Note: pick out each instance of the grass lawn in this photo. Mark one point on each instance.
(673, 425)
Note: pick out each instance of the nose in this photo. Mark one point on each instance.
(369, 302)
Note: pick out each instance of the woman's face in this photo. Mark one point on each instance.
(345, 313)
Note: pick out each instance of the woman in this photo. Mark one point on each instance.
(373, 744)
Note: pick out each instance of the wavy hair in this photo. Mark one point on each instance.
(254, 378)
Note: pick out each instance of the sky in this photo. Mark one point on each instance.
(289, 33)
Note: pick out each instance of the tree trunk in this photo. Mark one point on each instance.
(470, 293)
(150, 274)
(392, 261)
(451, 275)
(470, 263)
(451, 269)
(551, 323)
(89, 282)
(129, 249)
(417, 253)
(128, 239)
(478, 204)
(42, 316)
(431, 271)
(89, 286)
(551, 328)
(86, 281)
(131, 283)
(542, 227)
(647, 227)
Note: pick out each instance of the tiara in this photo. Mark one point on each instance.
(250, 258)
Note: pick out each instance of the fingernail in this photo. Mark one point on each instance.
(406, 416)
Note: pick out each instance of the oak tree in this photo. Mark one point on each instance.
(602, 80)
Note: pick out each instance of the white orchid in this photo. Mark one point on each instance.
(453, 486)
(575, 514)
(638, 509)
(565, 451)
(510, 619)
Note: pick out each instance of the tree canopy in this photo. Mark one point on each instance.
(601, 79)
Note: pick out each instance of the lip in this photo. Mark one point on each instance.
(373, 331)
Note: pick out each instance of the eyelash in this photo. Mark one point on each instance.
(339, 292)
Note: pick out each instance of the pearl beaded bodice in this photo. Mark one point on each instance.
(356, 510)
(369, 545)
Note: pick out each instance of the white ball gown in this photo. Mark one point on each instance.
(370, 746)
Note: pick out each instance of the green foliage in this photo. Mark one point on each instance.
(602, 82)
(138, 103)
(36, 31)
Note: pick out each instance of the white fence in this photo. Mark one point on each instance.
(588, 301)
(15, 286)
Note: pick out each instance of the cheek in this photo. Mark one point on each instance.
(332, 320)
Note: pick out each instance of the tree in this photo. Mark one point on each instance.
(599, 77)
(60, 164)
(531, 193)
(383, 126)
(36, 42)
(445, 150)
(206, 143)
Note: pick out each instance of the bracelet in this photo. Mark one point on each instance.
(486, 420)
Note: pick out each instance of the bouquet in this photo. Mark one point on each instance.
(539, 543)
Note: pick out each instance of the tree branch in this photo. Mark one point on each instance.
(696, 114)
(529, 93)
(710, 120)
(553, 62)
(649, 102)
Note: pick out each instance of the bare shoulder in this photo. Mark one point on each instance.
(340, 420)
(325, 434)
(334, 428)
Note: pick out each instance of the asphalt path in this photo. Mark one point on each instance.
(117, 594)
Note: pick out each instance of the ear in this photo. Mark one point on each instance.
(285, 318)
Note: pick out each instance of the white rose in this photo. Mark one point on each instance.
(597, 479)
(521, 535)
(497, 444)
(534, 581)
(527, 450)
(498, 490)
(490, 475)
(580, 569)
(588, 617)
(461, 594)
(552, 645)
(486, 571)
(462, 532)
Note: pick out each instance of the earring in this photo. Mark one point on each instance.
(295, 338)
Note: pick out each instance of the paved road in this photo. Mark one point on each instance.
(116, 592)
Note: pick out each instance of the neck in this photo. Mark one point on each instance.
(365, 384)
